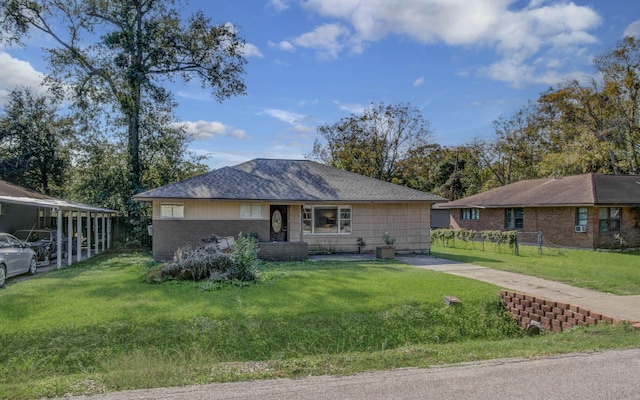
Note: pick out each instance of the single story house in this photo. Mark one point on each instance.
(21, 208)
(583, 211)
(293, 206)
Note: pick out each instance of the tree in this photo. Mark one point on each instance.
(575, 124)
(120, 52)
(515, 151)
(380, 142)
(100, 173)
(620, 70)
(34, 142)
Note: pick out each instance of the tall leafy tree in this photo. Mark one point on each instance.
(121, 52)
(380, 143)
(514, 151)
(576, 126)
(100, 174)
(620, 70)
(34, 142)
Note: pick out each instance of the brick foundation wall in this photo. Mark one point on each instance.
(283, 251)
(549, 315)
(169, 235)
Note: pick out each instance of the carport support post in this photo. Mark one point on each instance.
(95, 231)
(69, 236)
(104, 241)
(109, 232)
(89, 234)
(79, 237)
(59, 240)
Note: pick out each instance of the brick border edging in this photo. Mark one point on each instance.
(549, 315)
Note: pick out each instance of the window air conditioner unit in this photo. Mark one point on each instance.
(581, 228)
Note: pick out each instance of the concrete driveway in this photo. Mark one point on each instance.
(620, 307)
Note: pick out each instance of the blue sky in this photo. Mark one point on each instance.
(463, 63)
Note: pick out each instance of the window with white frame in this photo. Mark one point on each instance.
(172, 210)
(326, 219)
(251, 211)
(470, 213)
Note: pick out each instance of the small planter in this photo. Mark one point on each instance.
(385, 252)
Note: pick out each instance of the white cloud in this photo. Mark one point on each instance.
(283, 45)
(17, 74)
(201, 130)
(291, 118)
(418, 82)
(278, 5)
(353, 108)
(537, 30)
(633, 29)
(251, 50)
(284, 116)
(301, 129)
(327, 39)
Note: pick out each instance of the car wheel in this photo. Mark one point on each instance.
(33, 267)
(3, 275)
(46, 257)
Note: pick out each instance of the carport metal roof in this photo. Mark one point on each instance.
(55, 203)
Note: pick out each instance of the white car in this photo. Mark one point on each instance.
(16, 258)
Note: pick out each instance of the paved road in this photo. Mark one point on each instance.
(606, 375)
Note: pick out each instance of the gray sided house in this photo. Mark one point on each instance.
(24, 209)
(583, 211)
(294, 206)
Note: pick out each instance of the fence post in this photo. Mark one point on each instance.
(517, 248)
(540, 243)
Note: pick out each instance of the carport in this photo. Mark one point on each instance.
(93, 222)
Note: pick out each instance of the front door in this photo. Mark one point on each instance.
(278, 224)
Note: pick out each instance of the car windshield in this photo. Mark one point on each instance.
(31, 236)
(23, 235)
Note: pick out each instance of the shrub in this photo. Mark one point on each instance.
(245, 257)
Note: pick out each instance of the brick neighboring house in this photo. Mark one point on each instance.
(294, 206)
(584, 211)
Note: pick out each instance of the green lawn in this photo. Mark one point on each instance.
(612, 272)
(97, 326)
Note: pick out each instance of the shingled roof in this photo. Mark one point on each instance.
(286, 180)
(10, 193)
(575, 190)
(10, 190)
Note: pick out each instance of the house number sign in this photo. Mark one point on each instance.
(276, 221)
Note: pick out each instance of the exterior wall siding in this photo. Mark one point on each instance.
(18, 216)
(557, 225)
(408, 223)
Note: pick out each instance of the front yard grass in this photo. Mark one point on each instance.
(610, 272)
(97, 326)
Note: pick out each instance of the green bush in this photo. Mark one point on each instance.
(245, 257)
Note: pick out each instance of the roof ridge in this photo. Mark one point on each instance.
(594, 195)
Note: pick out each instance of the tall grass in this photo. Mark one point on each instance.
(97, 326)
(612, 272)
